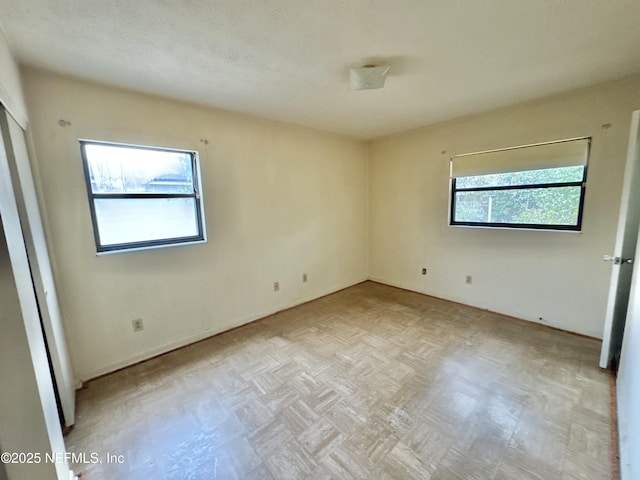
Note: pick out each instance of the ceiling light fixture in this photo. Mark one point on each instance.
(368, 77)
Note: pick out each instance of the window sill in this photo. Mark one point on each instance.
(524, 229)
(150, 247)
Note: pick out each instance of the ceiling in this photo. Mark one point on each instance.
(288, 60)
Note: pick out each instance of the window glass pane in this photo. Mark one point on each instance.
(139, 220)
(118, 169)
(539, 206)
(532, 177)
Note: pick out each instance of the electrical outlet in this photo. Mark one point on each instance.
(424, 271)
(304, 278)
(276, 286)
(137, 325)
(468, 280)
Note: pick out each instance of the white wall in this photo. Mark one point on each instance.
(11, 93)
(528, 274)
(3, 471)
(279, 201)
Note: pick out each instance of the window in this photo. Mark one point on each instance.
(538, 186)
(142, 197)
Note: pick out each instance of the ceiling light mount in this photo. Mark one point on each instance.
(368, 77)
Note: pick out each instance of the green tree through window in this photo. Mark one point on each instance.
(542, 198)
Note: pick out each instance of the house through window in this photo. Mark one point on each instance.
(142, 197)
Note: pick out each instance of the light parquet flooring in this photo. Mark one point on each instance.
(371, 382)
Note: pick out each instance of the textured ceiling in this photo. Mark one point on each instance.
(289, 60)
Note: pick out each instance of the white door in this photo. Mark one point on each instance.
(42, 275)
(628, 386)
(624, 252)
(29, 419)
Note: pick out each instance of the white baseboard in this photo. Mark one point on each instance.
(167, 347)
(487, 307)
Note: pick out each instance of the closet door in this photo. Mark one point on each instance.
(39, 262)
(29, 420)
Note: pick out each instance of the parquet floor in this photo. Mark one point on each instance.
(372, 382)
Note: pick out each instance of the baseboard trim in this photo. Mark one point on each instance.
(172, 346)
(490, 309)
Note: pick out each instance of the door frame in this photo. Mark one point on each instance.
(17, 153)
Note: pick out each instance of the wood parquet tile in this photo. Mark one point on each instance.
(371, 382)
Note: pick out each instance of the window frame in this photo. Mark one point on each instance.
(523, 226)
(201, 237)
